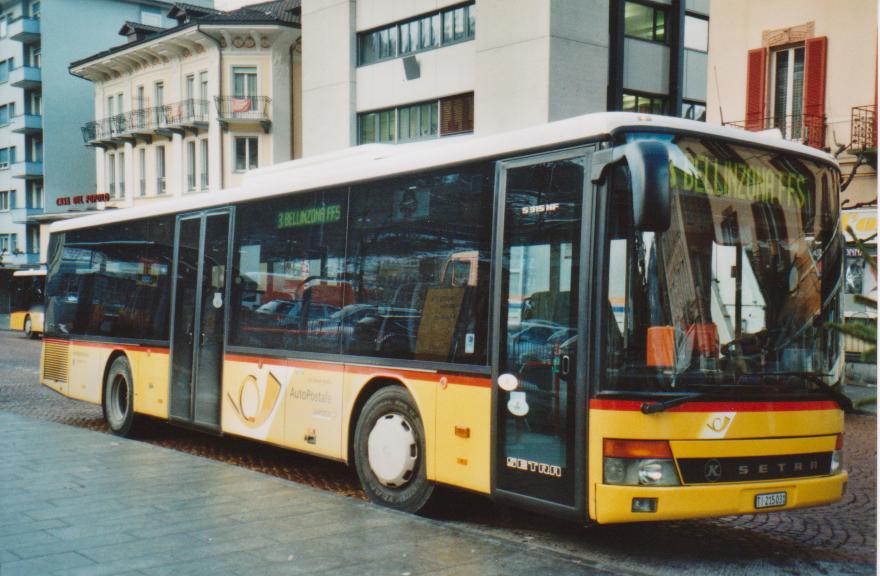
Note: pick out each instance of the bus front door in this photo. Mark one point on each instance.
(200, 294)
(539, 419)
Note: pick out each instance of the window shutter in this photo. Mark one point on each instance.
(814, 91)
(457, 114)
(756, 89)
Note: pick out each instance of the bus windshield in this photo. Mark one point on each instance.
(739, 290)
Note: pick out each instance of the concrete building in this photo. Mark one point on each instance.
(41, 154)
(191, 107)
(391, 71)
(809, 69)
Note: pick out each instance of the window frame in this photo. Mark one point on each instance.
(655, 8)
(695, 16)
(246, 137)
(664, 99)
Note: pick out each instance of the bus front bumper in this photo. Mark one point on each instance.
(615, 503)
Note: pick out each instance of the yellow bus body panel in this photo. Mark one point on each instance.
(463, 435)
(16, 321)
(149, 367)
(87, 362)
(718, 434)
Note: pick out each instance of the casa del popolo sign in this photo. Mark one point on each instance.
(83, 199)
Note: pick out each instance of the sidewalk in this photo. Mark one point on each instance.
(84, 503)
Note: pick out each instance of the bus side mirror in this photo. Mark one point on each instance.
(647, 162)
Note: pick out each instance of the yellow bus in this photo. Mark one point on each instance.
(27, 302)
(610, 318)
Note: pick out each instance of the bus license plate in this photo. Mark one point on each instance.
(770, 500)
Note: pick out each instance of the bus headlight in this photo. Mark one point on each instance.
(837, 456)
(639, 463)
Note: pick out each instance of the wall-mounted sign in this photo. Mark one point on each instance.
(79, 200)
(862, 222)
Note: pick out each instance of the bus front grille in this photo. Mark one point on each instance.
(55, 361)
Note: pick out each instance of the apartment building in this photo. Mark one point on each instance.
(808, 68)
(391, 71)
(191, 107)
(41, 154)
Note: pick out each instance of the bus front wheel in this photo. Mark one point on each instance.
(118, 403)
(389, 446)
(28, 327)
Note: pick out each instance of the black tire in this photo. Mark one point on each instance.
(28, 328)
(395, 407)
(118, 402)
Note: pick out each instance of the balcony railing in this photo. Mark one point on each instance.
(25, 30)
(863, 129)
(247, 109)
(27, 170)
(808, 129)
(186, 114)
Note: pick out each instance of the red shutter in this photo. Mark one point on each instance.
(814, 91)
(756, 89)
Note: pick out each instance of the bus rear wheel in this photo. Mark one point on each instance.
(28, 327)
(389, 451)
(118, 402)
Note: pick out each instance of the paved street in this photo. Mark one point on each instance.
(839, 539)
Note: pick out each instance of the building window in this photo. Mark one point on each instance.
(425, 32)
(4, 27)
(693, 111)
(787, 84)
(696, 33)
(203, 86)
(459, 24)
(246, 153)
(121, 157)
(417, 122)
(34, 239)
(244, 82)
(191, 166)
(111, 175)
(203, 163)
(6, 113)
(643, 103)
(644, 22)
(36, 103)
(35, 196)
(5, 67)
(35, 10)
(142, 172)
(160, 169)
(36, 57)
(7, 157)
(6, 200)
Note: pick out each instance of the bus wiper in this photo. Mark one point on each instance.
(655, 407)
(842, 400)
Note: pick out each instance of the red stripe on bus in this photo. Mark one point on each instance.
(114, 345)
(367, 370)
(636, 405)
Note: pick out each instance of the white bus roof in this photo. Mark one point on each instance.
(377, 160)
(35, 272)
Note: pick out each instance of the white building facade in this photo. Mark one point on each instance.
(191, 108)
(391, 71)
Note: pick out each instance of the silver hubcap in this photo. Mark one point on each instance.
(392, 449)
(118, 400)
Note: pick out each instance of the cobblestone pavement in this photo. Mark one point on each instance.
(837, 539)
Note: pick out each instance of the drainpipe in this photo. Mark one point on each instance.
(220, 84)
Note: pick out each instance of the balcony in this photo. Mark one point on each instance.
(246, 110)
(27, 124)
(27, 77)
(190, 114)
(26, 30)
(807, 129)
(27, 170)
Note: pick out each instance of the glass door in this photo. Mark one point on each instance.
(201, 265)
(539, 453)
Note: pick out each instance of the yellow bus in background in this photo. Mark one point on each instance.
(610, 318)
(27, 312)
